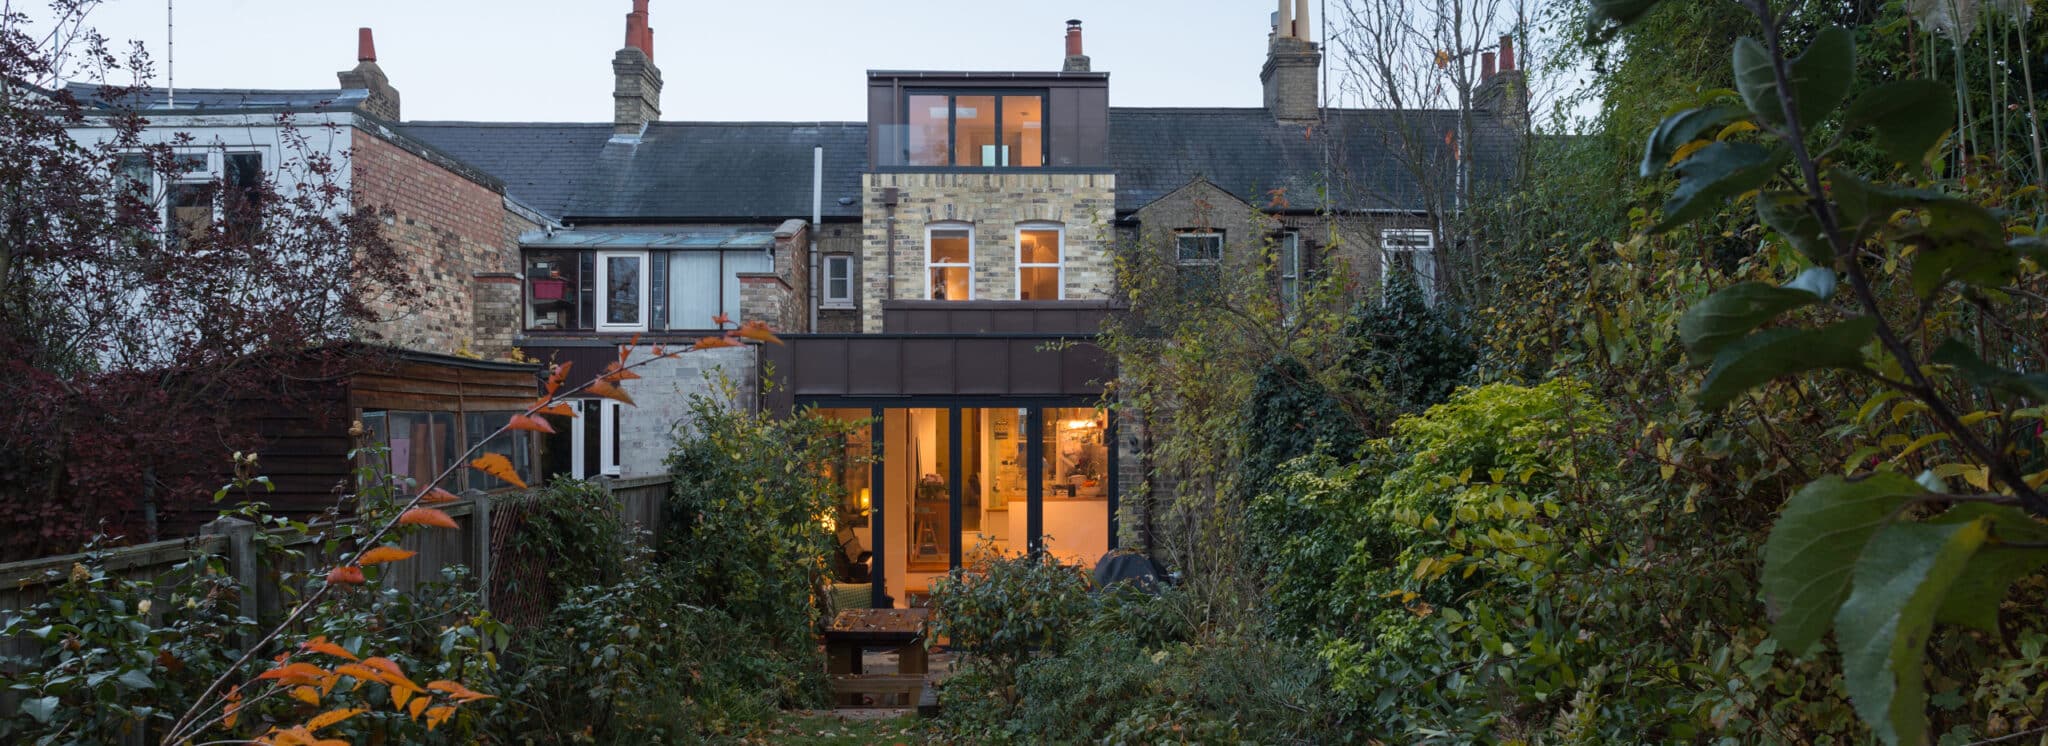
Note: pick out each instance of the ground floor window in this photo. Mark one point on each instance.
(953, 485)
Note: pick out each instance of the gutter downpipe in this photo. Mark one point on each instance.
(817, 214)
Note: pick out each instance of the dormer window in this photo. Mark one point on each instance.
(997, 129)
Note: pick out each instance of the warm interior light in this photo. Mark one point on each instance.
(866, 497)
(1080, 424)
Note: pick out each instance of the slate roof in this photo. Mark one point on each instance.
(1247, 153)
(724, 171)
(217, 99)
(541, 164)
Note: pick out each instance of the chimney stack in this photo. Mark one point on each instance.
(636, 88)
(1485, 66)
(1503, 90)
(1293, 63)
(1076, 61)
(381, 100)
(1507, 52)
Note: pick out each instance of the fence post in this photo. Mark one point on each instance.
(242, 562)
(480, 520)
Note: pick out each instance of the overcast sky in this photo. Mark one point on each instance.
(550, 60)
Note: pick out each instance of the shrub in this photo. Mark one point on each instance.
(1011, 608)
(1290, 415)
(1406, 354)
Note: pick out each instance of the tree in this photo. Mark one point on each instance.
(123, 333)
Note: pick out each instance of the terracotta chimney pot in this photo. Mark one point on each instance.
(1507, 52)
(1485, 66)
(366, 46)
(1073, 38)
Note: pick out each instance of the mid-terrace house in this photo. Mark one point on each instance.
(941, 268)
(435, 381)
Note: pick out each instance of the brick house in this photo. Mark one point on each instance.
(940, 269)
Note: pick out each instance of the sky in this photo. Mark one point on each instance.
(736, 60)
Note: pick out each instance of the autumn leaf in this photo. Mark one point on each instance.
(418, 706)
(721, 320)
(428, 517)
(292, 674)
(321, 645)
(437, 715)
(331, 717)
(531, 423)
(233, 708)
(558, 409)
(713, 343)
(495, 464)
(306, 694)
(345, 575)
(617, 373)
(381, 555)
(437, 495)
(758, 331)
(389, 668)
(608, 390)
(456, 690)
(557, 377)
(361, 673)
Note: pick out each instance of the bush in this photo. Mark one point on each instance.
(1406, 354)
(1010, 608)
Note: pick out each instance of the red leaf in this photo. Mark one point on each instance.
(713, 343)
(618, 373)
(558, 409)
(530, 422)
(437, 496)
(555, 379)
(381, 555)
(425, 517)
(345, 575)
(321, 645)
(758, 331)
(608, 390)
(721, 320)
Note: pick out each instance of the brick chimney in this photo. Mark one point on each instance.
(382, 101)
(1504, 91)
(636, 91)
(1292, 65)
(1076, 61)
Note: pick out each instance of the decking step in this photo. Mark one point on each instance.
(891, 683)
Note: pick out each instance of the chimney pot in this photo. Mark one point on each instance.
(366, 46)
(1507, 52)
(1073, 37)
(1301, 19)
(1285, 27)
(1485, 66)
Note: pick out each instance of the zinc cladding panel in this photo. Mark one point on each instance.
(822, 367)
(1033, 369)
(982, 366)
(928, 367)
(874, 367)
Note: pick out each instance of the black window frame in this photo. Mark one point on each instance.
(953, 125)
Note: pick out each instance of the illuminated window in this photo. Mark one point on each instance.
(1040, 249)
(979, 130)
(949, 262)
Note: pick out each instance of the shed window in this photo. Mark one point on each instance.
(514, 445)
(421, 445)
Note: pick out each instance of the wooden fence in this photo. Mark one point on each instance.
(473, 545)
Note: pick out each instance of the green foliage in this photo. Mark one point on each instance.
(745, 524)
(1290, 415)
(117, 655)
(1010, 607)
(1404, 354)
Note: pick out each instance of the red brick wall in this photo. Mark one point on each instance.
(450, 229)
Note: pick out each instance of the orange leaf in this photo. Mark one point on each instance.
(361, 672)
(456, 690)
(306, 694)
(233, 707)
(713, 343)
(387, 666)
(381, 555)
(437, 715)
(758, 331)
(495, 464)
(401, 694)
(437, 495)
(292, 674)
(418, 706)
(558, 409)
(428, 517)
(555, 378)
(658, 351)
(331, 717)
(721, 320)
(618, 373)
(530, 422)
(607, 390)
(345, 575)
(321, 645)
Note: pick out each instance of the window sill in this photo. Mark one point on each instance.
(836, 307)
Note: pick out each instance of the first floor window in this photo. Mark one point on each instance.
(1040, 250)
(1409, 254)
(195, 190)
(949, 259)
(839, 281)
(1199, 254)
(622, 291)
(1287, 254)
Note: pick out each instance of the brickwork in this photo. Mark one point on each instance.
(993, 204)
(841, 239)
(1289, 77)
(636, 91)
(449, 229)
(647, 432)
(498, 306)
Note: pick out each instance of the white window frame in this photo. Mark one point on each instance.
(603, 308)
(1179, 236)
(1059, 263)
(1410, 241)
(845, 268)
(609, 414)
(932, 228)
(213, 167)
(577, 441)
(1288, 250)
